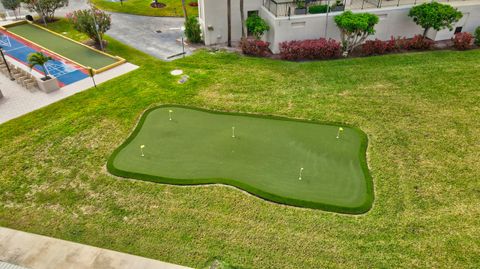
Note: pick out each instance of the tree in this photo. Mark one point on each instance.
(257, 26)
(242, 19)
(12, 5)
(477, 36)
(434, 15)
(355, 28)
(45, 8)
(94, 27)
(229, 23)
(192, 30)
(38, 58)
(184, 7)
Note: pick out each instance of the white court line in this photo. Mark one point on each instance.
(17, 48)
(8, 41)
(56, 69)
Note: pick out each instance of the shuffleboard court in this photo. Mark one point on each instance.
(66, 72)
(62, 46)
(299, 163)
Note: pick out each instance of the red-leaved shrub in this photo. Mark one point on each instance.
(419, 42)
(462, 41)
(254, 47)
(378, 47)
(312, 49)
(401, 43)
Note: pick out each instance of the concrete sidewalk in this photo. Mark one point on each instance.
(40, 252)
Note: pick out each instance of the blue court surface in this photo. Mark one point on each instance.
(65, 72)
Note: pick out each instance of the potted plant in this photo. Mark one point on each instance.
(47, 83)
(301, 8)
(338, 6)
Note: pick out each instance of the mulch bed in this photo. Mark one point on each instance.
(157, 5)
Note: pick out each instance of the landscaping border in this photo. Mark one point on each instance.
(365, 207)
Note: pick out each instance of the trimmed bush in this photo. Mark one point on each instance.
(313, 49)
(462, 41)
(318, 9)
(379, 47)
(419, 42)
(355, 28)
(254, 47)
(477, 36)
(192, 30)
(257, 26)
(435, 15)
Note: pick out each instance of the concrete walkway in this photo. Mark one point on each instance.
(40, 252)
(18, 101)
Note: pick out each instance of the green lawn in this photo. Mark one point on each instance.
(420, 111)
(173, 8)
(259, 154)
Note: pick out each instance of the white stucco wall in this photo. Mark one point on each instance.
(215, 15)
(394, 21)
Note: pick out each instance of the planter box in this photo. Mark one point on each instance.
(49, 85)
(337, 8)
(300, 11)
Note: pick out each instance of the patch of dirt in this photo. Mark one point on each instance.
(92, 44)
(157, 5)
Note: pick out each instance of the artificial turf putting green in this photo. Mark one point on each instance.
(264, 157)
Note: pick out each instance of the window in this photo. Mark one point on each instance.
(458, 30)
(252, 12)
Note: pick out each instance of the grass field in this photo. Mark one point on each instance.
(142, 7)
(261, 155)
(420, 111)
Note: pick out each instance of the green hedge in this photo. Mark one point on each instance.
(318, 9)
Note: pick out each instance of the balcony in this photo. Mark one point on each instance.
(287, 8)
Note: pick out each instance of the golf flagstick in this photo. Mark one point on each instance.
(300, 176)
(340, 130)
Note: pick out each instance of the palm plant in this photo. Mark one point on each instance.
(38, 58)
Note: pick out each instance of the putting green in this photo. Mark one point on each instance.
(264, 158)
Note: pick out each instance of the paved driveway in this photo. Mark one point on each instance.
(157, 36)
(140, 32)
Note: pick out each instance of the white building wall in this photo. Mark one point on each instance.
(394, 21)
(214, 21)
